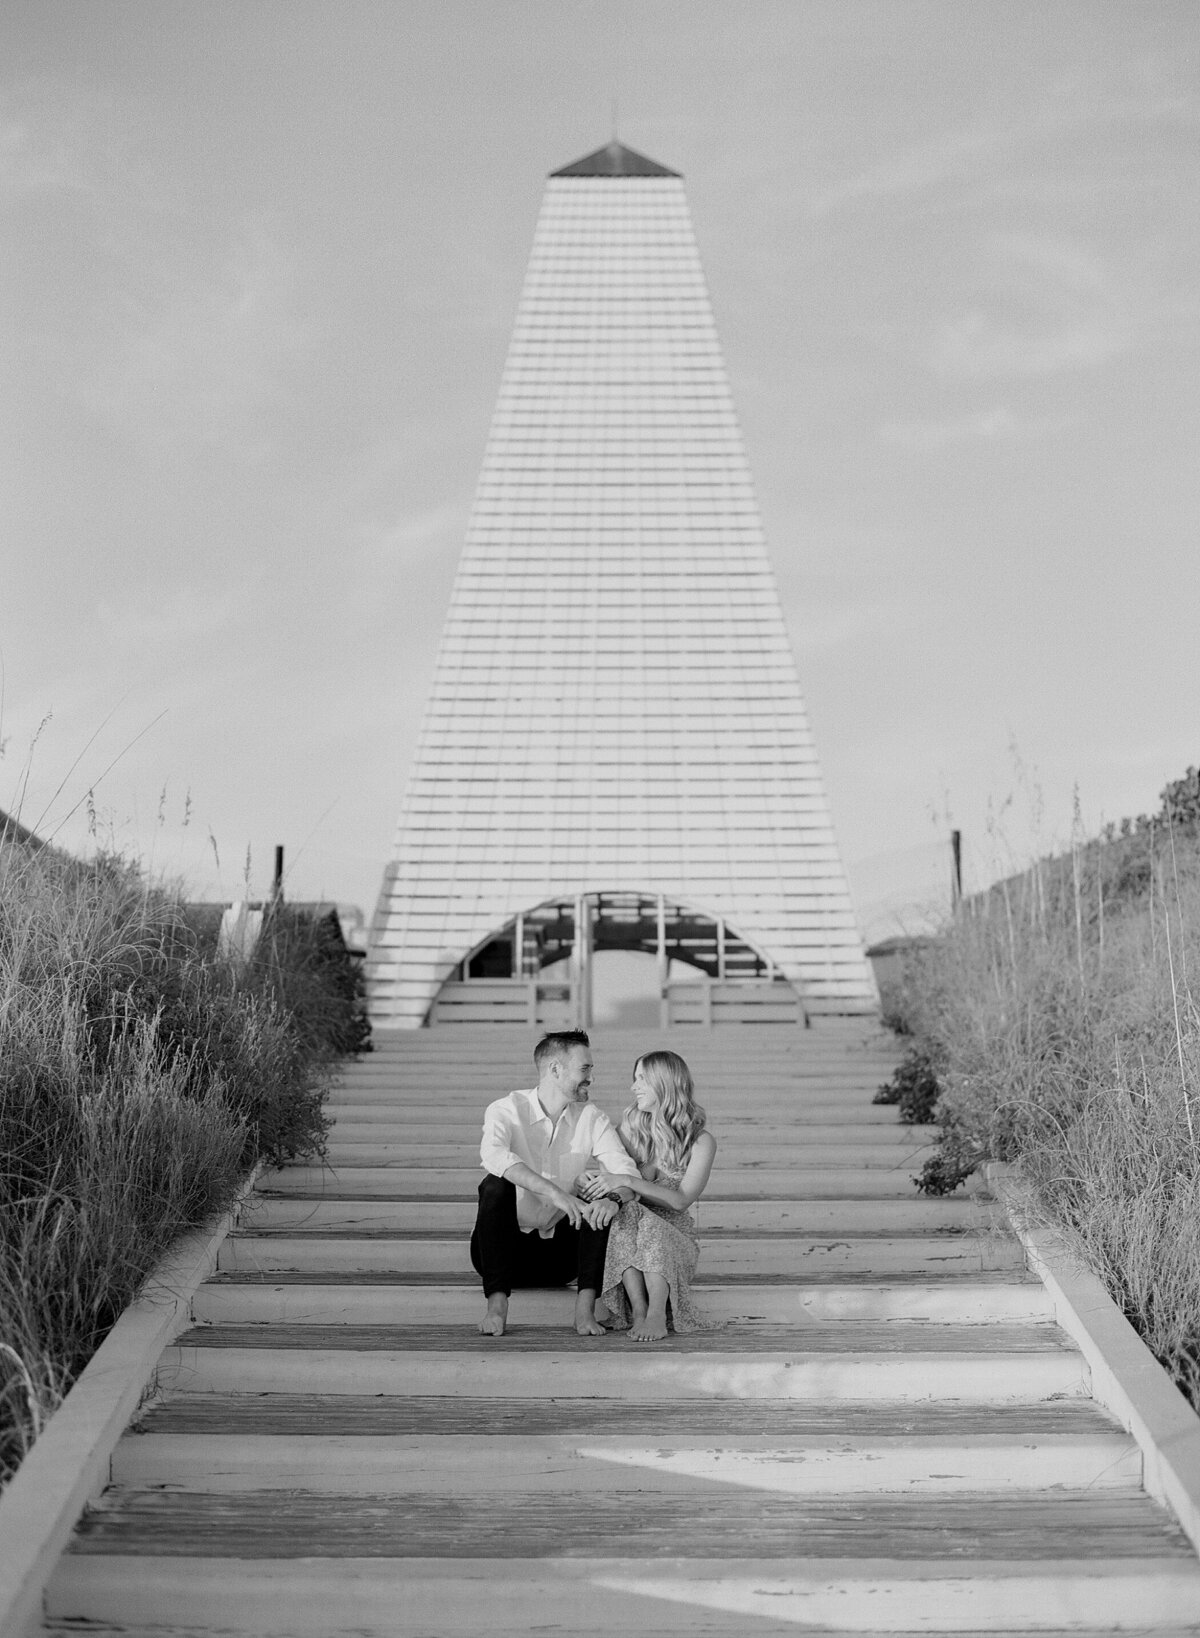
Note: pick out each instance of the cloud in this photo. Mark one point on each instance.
(1050, 307)
(916, 169)
(421, 535)
(976, 345)
(832, 618)
(49, 143)
(128, 306)
(1152, 91)
(990, 425)
(1036, 263)
(173, 616)
(205, 353)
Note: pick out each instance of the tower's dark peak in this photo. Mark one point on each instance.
(614, 159)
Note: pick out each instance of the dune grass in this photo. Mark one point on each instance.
(1059, 1014)
(140, 1080)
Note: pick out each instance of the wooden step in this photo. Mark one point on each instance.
(263, 1299)
(716, 1420)
(411, 1110)
(703, 1521)
(803, 1146)
(297, 1596)
(745, 1254)
(359, 1148)
(441, 1464)
(397, 1181)
(310, 1212)
(827, 1123)
(882, 1431)
(281, 1361)
(888, 1337)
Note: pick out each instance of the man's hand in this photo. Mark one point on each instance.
(572, 1209)
(601, 1213)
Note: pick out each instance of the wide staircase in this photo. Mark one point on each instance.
(883, 1432)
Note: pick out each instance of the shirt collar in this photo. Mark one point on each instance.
(540, 1113)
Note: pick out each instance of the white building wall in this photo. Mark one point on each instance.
(615, 704)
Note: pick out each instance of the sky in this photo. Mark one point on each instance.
(260, 265)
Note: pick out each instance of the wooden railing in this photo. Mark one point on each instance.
(525, 1001)
(536, 1004)
(710, 1004)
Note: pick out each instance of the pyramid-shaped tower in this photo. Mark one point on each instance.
(615, 708)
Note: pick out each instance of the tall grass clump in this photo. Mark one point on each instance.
(140, 1080)
(1060, 1010)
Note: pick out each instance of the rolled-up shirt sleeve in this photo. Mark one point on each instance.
(609, 1150)
(495, 1147)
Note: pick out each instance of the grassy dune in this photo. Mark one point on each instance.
(140, 1080)
(1059, 1015)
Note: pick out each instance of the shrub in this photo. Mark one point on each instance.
(1059, 1011)
(301, 960)
(914, 1087)
(139, 1082)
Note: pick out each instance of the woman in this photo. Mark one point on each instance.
(652, 1245)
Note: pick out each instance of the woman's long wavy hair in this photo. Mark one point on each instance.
(663, 1136)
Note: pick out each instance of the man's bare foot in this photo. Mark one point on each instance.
(494, 1321)
(586, 1322)
(650, 1327)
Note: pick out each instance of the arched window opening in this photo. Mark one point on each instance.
(539, 968)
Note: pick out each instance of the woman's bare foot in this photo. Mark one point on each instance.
(493, 1322)
(651, 1327)
(586, 1322)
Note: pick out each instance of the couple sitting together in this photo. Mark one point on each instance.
(569, 1197)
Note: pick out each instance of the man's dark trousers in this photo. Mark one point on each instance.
(508, 1260)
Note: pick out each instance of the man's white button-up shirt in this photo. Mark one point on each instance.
(517, 1128)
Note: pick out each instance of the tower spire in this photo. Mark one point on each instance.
(615, 713)
(614, 159)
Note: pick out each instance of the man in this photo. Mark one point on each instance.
(532, 1229)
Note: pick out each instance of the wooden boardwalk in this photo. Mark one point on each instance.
(883, 1433)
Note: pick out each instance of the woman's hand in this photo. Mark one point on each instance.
(595, 1184)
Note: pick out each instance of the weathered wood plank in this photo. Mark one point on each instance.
(697, 1523)
(734, 1419)
(254, 1228)
(340, 1302)
(436, 1121)
(328, 1212)
(851, 1278)
(749, 1256)
(699, 1624)
(857, 1337)
(783, 1143)
(487, 1464)
(621, 1369)
(380, 1597)
(462, 1182)
(359, 1146)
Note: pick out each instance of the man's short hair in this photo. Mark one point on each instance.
(558, 1044)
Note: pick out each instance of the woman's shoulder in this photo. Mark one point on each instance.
(703, 1148)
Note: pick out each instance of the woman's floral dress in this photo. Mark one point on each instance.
(657, 1240)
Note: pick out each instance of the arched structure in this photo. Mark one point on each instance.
(615, 709)
(503, 978)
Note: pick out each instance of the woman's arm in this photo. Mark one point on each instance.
(691, 1185)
